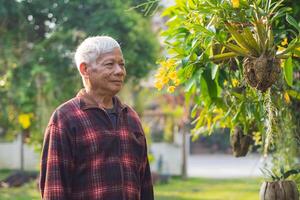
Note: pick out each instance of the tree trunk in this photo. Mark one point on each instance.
(22, 152)
(184, 155)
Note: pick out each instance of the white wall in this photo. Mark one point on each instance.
(10, 156)
(171, 156)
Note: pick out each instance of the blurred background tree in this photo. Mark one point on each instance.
(38, 40)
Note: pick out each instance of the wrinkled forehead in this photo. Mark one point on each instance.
(114, 54)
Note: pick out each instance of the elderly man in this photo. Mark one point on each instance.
(94, 146)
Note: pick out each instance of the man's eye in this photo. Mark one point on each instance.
(108, 64)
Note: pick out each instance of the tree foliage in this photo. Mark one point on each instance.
(38, 40)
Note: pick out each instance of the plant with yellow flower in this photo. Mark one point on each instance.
(25, 120)
(167, 76)
(229, 59)
(235, 3)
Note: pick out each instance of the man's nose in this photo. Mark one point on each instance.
(119, 69)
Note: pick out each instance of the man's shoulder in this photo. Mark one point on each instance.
(72, 104)
(63, 111)
(132, 113)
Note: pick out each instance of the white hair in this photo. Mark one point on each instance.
(92, 47)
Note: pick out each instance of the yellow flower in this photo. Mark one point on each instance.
(280, 48)
(257, 138)
(235, 3)
(172, 75)
(217, 110)
(176, 82)
(225, 83)
(235, 82)
(298, 49)
(24, 120)
(287, 97)
(284, 42)
(171, 89)
(158, 74)
(208, 123)
(165, 80)
(158, 85)
(216, 118)
(168, 63)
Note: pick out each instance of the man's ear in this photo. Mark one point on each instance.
(83, 69)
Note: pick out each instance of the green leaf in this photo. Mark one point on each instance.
(239, 38)
(203, 30)
(297, 52)
(277, 5)
(214, 71)
(168, 11)
(194, 111)
(223, 56)
(185, 60)
(189, 84)
(211, 84)
(250, 40)
(280, 13)
(293, 22)
(236, 49)
(294, 94)
(288, 71)
(204, 88)
(262, 34)
(291, 172)
(237, 114)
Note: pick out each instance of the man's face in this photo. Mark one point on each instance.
(107, 74)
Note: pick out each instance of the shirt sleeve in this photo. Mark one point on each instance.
(56, 165)
(146, 180)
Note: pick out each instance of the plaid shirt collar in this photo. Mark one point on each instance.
(87, 102)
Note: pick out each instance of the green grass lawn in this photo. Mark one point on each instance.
(26, 192)
(191, 189)
(209, 189)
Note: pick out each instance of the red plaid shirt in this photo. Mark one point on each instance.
(85, 158)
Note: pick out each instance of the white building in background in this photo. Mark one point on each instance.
(10, 155)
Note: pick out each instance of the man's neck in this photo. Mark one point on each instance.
(101, 99)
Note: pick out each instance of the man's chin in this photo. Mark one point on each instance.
(116, 89)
